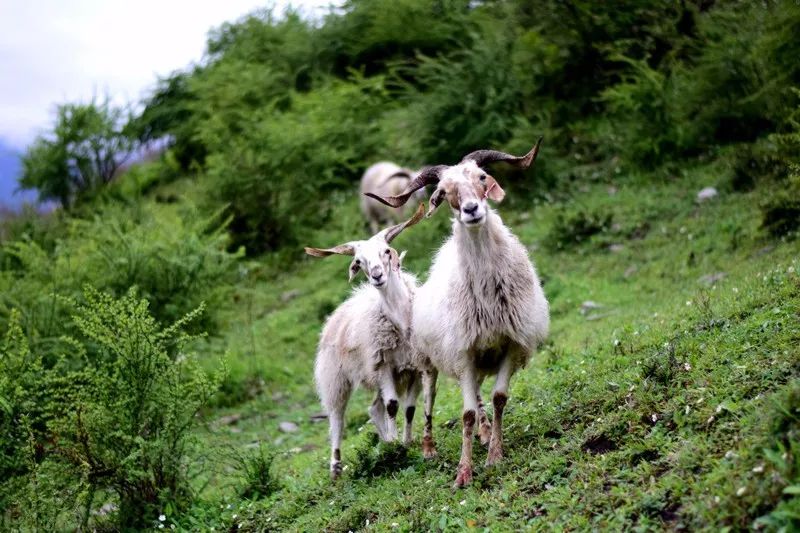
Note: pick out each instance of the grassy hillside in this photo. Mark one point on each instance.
(672, 404)
(158, 329)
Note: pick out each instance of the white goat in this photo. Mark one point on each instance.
(482, 310)
(365, 340)
(384, 179)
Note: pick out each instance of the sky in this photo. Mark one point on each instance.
(57, 51)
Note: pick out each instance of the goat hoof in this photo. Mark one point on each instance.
(463, 476)
(336, 470)
(428, 448)
(494, 457)
(485, 434)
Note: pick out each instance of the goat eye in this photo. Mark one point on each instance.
(386, 251)
(358, 262)
(483, 177)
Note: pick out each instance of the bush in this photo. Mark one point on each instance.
(256, 470)
(114, 416)
(780, 211)
(573, 226)
(278, 178)
(173, 254)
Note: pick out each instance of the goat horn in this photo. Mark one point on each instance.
(427, 176)
(485, 157)
(394, 231)
(342, 249)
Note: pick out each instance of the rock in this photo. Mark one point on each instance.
(630, 271)
(612, 190)
(588, 306)
(616, 248)
(318, 417)
(765, 250)
(288, 427)
(290, 295)
(106, 509)
(229, 420)
(707, 194)
(711, 279)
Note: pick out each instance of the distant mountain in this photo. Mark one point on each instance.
(10, 171)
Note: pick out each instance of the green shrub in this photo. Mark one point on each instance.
(174, 254)
(780, 211)
(573, 226)
(277, 179)
(256, 471)
(128, 427)
(115, 415)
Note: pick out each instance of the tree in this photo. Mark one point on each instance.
(87, 146)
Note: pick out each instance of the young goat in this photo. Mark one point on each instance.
(384, 179)
(482, 310)
(365, 340)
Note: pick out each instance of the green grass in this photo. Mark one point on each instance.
(675, 404)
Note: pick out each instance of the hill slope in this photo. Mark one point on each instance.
(674, 404)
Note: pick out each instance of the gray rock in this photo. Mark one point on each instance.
(588, 306)
(288, 296)
(318, 417)
(229, 420)
(288, 427)
(711, 279)
(706, 194)
(616, 248)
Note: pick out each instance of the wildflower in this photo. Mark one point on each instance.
(161, 518)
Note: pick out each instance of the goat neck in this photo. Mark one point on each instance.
(396, 301)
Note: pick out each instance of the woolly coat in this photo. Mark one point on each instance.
(482, 300)
(358, 339)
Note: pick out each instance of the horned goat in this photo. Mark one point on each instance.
(384, 179)
(365, 340)
(482, 310)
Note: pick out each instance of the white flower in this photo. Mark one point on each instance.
(161, 518)
(741, 491)
(687, 366)
(462, 502)
(654, 417)
(758, 469)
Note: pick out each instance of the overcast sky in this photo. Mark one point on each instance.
(56, 51)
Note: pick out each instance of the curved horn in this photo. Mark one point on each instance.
(394, 231)
(427, 176)
(485, 157)
(342, 249)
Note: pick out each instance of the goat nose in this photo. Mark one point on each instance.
(376, 273)
(470, 207)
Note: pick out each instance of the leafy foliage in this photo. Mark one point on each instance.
(84, 151)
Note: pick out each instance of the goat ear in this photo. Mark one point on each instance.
(436, 199)
(354, 270)
(402, 256)
(394, 259)
(343, 249)
(493, 190)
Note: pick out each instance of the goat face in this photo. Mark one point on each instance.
(466, 187)
(374, 256)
